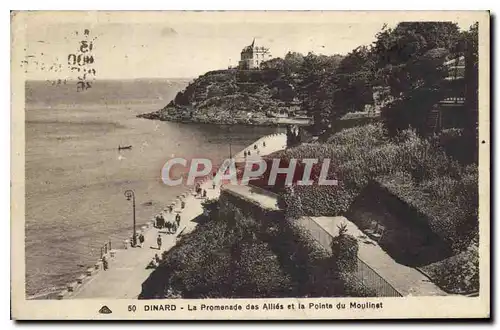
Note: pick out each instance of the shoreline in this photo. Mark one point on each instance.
(82, 287)
(267, 121)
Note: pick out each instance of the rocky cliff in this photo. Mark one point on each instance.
(231, 96)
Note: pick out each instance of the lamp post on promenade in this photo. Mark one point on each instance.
(229, 135)
(130, 195)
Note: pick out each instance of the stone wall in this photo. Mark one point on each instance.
(230, 202)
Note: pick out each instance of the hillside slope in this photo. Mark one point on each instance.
(229, 97)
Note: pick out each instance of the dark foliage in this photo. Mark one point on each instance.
(345, 250)
(219, 259)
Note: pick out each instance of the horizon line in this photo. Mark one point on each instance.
(108, 79)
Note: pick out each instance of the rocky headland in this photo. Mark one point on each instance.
(252, 97)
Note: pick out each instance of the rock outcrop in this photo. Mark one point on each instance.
(230, 97)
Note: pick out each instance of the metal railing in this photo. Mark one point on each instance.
(317, 232)
(368, 277)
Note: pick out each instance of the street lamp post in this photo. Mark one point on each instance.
(130, 195)
(229, 135)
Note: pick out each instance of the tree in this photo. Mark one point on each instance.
(396, 51)
(292, 63)
(409, 59)
(315, 87)
(471, 75)
(274, 64)
(211, 207)
(344, 250)
(354, 80)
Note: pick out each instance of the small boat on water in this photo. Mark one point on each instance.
(124, 147)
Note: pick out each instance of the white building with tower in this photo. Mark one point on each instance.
(252, 56)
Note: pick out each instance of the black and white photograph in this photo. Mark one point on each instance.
(250, 165)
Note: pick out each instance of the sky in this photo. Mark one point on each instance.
(131, 45)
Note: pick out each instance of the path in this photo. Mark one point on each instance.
(127, 270)
(406, 280)
(265, 200)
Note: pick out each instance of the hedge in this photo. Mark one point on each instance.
(433, 182)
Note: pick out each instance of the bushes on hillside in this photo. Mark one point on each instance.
(220, 258)
(316, 271)
(458, 274)
(291, 204)
(210, 207)
(450, 203)
(345, 250)
(434, 182)
(415, 170)
(235, 256)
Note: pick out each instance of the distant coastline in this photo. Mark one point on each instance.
(234, 96)
(220, 118)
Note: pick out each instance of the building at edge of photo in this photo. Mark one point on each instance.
(252, 56)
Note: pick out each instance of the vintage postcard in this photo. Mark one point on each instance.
(250, 165)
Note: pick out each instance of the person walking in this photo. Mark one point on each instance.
(204, 193)
(264, 143)
(105, 264)
(178, 219)
(255, 147)
(141, 240)
(158, 241)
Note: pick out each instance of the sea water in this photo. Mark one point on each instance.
(76, 176)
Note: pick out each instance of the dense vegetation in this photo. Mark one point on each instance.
(415, 170)
(228, 96)
(402, 73)
(248, 96)
(427, 177)
(219, 259)
(433, 170)
(232, 255)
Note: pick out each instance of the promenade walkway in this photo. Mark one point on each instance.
(127, 270)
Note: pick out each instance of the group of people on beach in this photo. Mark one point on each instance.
(255, 148)
(200, 192)
(170, 226)
(138, 240)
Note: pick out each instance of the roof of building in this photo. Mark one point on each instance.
(253, 47)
